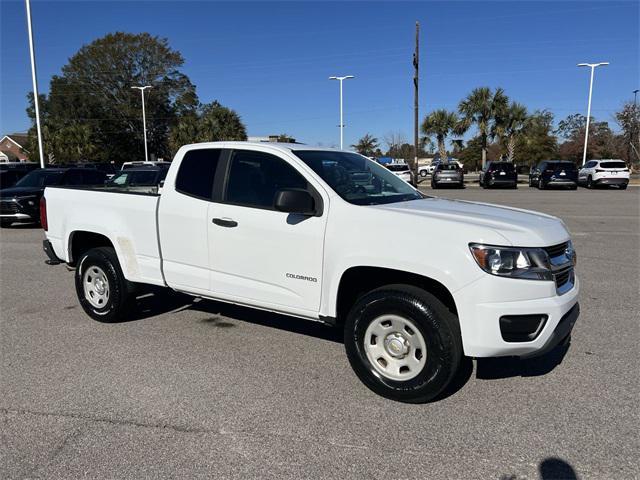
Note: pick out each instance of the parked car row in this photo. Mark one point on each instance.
(21, 202)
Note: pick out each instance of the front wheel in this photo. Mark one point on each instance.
(102, 290)
(589, 182)
(623, 186)
(423, 173)
(541, 185)
(403, 343)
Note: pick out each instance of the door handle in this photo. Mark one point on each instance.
(225, 222)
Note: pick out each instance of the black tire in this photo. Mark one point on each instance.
(541, 185)
(5, 223)
(435, 323)
(589, 182)
(116, 306)
(530, 183)
(623, 186)
(423, 173)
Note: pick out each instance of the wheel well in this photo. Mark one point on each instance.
(357, 281)
(81, 242)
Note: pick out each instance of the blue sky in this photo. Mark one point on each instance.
(270, 61)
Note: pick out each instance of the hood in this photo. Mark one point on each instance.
(523, 228)
(20, 192)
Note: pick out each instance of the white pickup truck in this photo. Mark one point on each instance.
(314, 233)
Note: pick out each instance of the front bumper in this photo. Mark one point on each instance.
(560, 334)
(482, 303)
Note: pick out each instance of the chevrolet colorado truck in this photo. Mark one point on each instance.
(314, 233)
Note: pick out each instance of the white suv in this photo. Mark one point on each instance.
(604, 172)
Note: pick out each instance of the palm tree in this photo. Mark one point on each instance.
(367, 145)
(509, 125)
(440, 123)
(481, 108)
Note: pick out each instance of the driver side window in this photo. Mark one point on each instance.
(255, 177)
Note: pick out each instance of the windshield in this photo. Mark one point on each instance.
(40, 178)
(356, 179)
(613, 165)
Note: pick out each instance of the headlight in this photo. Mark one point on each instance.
(525, 263)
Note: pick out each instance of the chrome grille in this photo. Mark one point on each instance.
(556, 250)
(8, 208)
(563, 276)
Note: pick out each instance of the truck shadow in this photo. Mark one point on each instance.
(506, 367)
(152, 301)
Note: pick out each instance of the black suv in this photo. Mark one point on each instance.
(554, 173)
(21, 203)
(499, 174)
(11, 172)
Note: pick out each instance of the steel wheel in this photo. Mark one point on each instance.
(96, 286)
(395, 347)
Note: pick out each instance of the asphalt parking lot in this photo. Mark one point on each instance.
(201, 389)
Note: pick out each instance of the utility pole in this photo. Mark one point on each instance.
(36, 100)
(416, 62)
(144, 121)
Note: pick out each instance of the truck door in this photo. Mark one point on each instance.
(259, 255)
(183, 221)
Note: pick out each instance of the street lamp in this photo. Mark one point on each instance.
(144, 121)
(586, 133)
(341, 117)
(34, 81)
(635, 97)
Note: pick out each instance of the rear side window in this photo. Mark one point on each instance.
(255, 177)
(613, 165)
(197, 171)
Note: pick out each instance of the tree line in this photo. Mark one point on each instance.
(91, 113)
(504, 129)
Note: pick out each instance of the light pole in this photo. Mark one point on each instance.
(341, 79)
(144, 121)
(35, 82)
(635, 97)
(586, 133)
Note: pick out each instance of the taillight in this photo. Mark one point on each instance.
(43, 214)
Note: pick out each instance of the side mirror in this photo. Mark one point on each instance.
(295, 201)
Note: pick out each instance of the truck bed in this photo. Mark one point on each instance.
(127, 218)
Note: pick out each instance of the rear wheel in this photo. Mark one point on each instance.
(5, 223)
(623, 186)
(403, 343)
(423, 173)
(102, 290)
